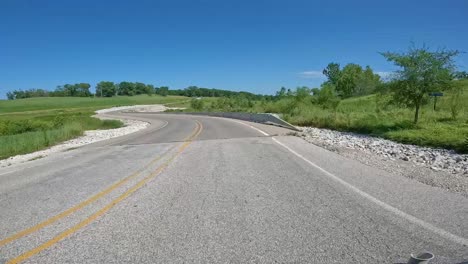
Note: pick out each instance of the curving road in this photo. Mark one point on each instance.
(207, 190)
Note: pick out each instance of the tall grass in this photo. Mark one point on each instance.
(25, 136)
(374, 115)
(32, 124)
(37, 140)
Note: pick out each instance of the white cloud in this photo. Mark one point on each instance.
(311, 74)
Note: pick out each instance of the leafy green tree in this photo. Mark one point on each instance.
(20, 94)
(107, 89)
(163, 90)
(315, 91)
(332, 72)
(192, 91)
(422, 72)
(281, 93)
(70, 90)
(140, 88)
(302, 93)
(10, 96)
(352, 80)
(461, 75)
(346, 84)
(83, 89)
(126, 88)
(150, 89)
(65, 90)
(327, 97)
(73, 90)
(367, 82)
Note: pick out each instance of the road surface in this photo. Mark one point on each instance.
(193, 189)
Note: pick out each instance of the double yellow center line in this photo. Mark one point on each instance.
(70, 231)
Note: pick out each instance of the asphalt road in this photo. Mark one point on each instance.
(193, 189)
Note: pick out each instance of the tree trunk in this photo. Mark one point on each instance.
(416, 114)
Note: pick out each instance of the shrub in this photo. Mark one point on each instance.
(196, 104)
(456, 102)
(33, 141)
(12, 127)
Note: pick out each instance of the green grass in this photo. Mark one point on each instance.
(374, 116)
(23, 122)
(44, 131)
(369, 115)
(37, 140)
(434, 129)
(28, 125)
(82, 103)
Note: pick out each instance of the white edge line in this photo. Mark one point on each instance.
(238, 121)
(245, 124)
(398, 212)
(382, 204)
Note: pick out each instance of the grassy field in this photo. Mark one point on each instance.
(28, 125)
(371, 115)
(81, 103)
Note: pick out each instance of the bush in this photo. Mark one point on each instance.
(109, 124)
(33, 141)
(196, 104)
(327, 97)
(456, 102)
(12, 127)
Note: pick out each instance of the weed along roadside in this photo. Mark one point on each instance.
(33, 124)
(374, 114)
(25, 136)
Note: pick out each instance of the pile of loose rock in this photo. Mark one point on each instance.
(436, 159)
(134, 108)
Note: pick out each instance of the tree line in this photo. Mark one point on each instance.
(109, 89)
(194, 91)
(75, 90)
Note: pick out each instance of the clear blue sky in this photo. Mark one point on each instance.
(256, 46)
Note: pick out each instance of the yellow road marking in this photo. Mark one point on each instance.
(106, 208)
(142, 134)
(90, 200)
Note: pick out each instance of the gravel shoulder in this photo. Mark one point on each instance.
(91, 136)
(435, 167)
